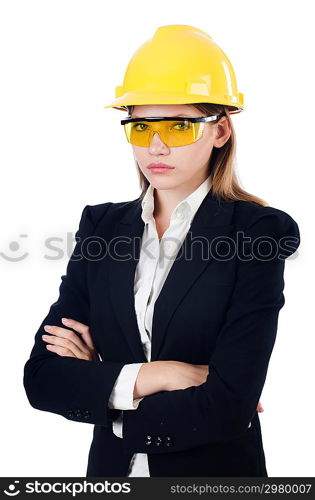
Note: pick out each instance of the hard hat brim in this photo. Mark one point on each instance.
(135, 98)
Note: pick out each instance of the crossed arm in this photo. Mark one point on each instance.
(218, 409)
(135, 381)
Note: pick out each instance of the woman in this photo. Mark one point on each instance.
(178, 291)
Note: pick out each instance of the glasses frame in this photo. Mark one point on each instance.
(173, 118)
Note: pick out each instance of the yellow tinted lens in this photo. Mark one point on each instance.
(138, 133)
(172, 132)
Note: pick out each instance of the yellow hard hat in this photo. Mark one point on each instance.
(180, 64)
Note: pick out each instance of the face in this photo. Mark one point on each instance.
(190, 161)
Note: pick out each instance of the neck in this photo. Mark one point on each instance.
(165, 200)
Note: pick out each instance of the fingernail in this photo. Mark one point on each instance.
(65, 320)
(47, 327)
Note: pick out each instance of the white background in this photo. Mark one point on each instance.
(60, 150)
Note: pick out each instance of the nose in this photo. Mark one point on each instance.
(157, 144)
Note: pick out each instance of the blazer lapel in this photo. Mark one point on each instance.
(212, 219)
(128, 234)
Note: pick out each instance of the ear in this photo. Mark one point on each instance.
(222, 133)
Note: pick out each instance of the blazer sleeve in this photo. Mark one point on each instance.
(74, 388)
(221, 408)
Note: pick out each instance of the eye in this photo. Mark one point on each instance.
(184, 125)
(139, 126)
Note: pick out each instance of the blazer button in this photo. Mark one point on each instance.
(158, 441)
(70, 414)
(168, 441)
(148, 440)
(86, 414)
(78, 413)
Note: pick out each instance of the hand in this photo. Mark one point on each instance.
(181, 375)
(65, 342)
(259, 409)
(156, 376)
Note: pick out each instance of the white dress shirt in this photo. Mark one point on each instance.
(156, 259)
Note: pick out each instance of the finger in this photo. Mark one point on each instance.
(67, 334)
(260, 407)
(67, 344)
(60, 350)
(81, 328)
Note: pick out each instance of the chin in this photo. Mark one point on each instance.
(165, 183)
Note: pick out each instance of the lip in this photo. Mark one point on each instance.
(159, 167)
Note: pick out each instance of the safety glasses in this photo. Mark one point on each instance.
(179, 131)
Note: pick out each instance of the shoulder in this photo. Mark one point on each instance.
(94, 215)
(249, 214)
(258, 221)
(114, 209)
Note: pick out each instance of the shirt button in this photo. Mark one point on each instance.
(148, 440)
(168, 441)
(158, 441)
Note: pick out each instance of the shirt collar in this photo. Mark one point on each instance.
(185, 209)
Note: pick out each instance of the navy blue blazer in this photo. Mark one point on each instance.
(219, 306)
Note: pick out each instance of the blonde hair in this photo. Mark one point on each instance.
(224, 181)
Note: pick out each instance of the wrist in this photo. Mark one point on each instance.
(150, 379)
(160, 375)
